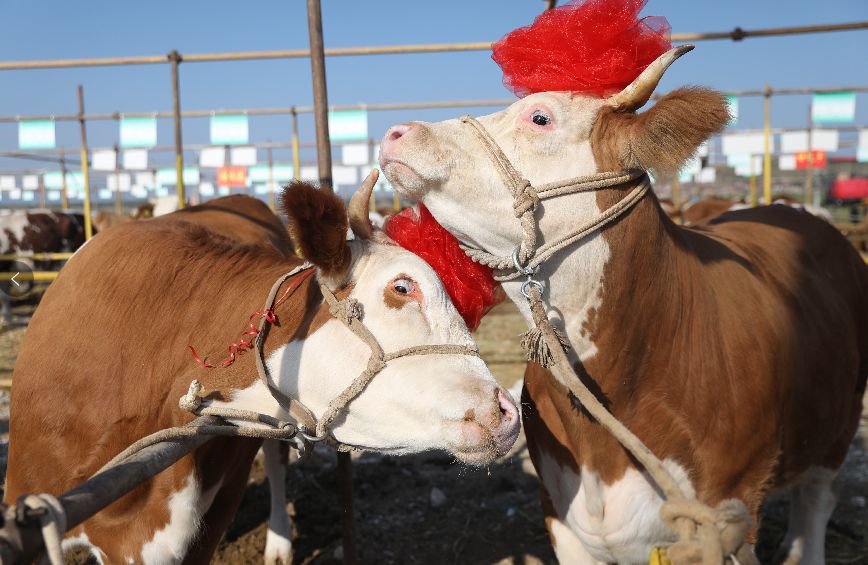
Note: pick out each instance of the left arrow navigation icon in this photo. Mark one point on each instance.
(13, 279)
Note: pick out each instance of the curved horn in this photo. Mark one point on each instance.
(638, 92)
(360, 222)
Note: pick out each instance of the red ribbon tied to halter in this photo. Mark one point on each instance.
(244, 344)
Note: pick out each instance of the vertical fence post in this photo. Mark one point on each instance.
(296, 160)
(324, 162)
(767, 134)
(320, 94)
(809, 172)
(176, 59)
(64, 196)
(271, 179)
(88, 226)
(42, 191)
(119, 204)
(753, 195)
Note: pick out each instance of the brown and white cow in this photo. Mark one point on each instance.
(105, 360)
(738, 352)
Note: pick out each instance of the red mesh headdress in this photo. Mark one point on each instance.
(470, 285)
(595, 47)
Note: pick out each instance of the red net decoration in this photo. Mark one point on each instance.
(593, 47)
(470, 285)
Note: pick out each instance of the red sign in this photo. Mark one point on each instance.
(849, 189)
(233, 177)
(819, 159)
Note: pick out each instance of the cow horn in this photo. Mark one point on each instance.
(638, 92)
(360, 222)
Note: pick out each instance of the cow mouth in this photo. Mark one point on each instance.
(403, 177)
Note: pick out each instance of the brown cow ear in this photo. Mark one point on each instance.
(662, 138)
(318, 227)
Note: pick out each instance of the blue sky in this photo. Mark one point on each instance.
(52, 29)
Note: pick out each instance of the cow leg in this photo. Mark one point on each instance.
(568, 548)
(278, 541)
(813, 500)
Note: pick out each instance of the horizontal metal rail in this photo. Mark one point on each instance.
(36, 276)
(391, 106)
(37, 256)
(736, 34)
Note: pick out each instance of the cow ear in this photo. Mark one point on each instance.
(318, 227)
(662, 138)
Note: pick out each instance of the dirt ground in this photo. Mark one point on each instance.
(488, 516)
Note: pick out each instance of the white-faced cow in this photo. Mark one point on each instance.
(738, 352)
(106, 359)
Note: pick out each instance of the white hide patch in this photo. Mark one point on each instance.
(82, 540)
(15, 224)
(615, 523)
(186, 509)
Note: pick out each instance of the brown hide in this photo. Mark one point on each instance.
(739, 349)
(112, 334)
(705, 210)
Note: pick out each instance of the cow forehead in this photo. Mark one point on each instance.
(383, 262)
(572, 111)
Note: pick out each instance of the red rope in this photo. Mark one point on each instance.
(243, 344)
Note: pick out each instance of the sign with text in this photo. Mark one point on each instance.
(36, 134)
(138, 132)
(834, 107)
(814, 159)
(229, 130)
(233, 177)
(348, 125)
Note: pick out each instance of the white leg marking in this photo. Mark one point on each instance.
(813, 501)
(186, 508)
(278, 541)
(568, 548)
(82, 540)
(617, 523)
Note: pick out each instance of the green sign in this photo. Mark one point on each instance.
(170, 176)
(259, 173)
(349, 125)
(37, 134)
(732, 104)
(834, 107)
(229, 130)
(53, 179)
(138, 132)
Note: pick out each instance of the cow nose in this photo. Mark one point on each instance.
(507, 430)
(398, 131)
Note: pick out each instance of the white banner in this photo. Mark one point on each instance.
(824, 140)
(862, 150)
(145, 180)
(794, 141)
(105, 160)
(787, 162)
(355, 154)
(206, 189)
(30, 182)
(135, 159)
(212, 157)
(121, 182)
(7, 182)
(750, 143)
(345, 176)
(309, 173)
(707, 175)
(243, 156)
(15, 194)
(104, 194)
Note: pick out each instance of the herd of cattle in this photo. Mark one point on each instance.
(737, 350)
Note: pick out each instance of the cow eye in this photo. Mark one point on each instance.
(540, 118)
(403, 286)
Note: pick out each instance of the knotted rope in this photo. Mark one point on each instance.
(706, 535)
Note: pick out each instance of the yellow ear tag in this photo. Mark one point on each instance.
(659, 557)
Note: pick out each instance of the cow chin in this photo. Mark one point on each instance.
(405, 179)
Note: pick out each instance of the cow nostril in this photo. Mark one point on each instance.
(396, 132)
(508, 411)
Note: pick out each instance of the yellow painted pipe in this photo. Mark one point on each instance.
(37, 257)
(37, 276)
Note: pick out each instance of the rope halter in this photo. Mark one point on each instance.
(350, 313)
(527, 255)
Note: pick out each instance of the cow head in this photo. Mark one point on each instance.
(417, 403)
(548, 136)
